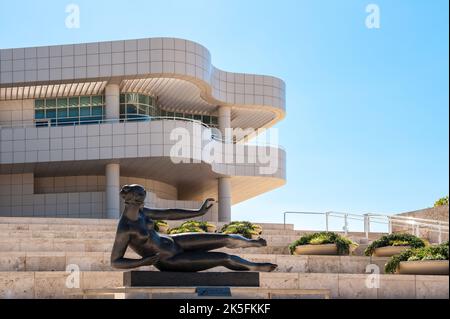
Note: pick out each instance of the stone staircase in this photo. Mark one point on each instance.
(35, 254)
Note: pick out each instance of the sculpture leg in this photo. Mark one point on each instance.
(198, 261)
(210, 241)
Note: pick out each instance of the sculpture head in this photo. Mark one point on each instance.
(133, 194)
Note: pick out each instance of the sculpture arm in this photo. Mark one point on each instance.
(176, 213)
(119, 249)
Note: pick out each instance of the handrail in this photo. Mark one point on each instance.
(410, 218)
(441, 227)
(87, 120)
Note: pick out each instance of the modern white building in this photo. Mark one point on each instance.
(78, 121)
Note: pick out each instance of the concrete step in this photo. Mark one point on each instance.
(108, 232)
(101, 245)
(100, 261)
(58, 284)
(191, 293)
(112, 223)
(105, 232)
(94, 227)
(86, 224)
(99, 234)
(67, 234)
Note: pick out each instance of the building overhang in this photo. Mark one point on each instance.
(178, 71)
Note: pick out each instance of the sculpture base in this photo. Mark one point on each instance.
(190, 279)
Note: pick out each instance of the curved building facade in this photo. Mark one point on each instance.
(78, 121)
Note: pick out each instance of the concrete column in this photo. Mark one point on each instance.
(224, 191)
(224, 119)
(224, 183)
(112, 101)
(112, 173)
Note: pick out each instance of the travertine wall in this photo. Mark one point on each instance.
(18, 198)
(94, 183)
(52, 284)
(160, 189)
(168, 57)
(16, 112)
(77, 196)
(436, 213)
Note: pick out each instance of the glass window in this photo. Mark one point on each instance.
(206, 119)
(144, 99)
(39, 104)
(97, 100)
(132, 98)
(85, 111)
(50, 103)
(62, 113)
(50, 113)
(122, 98)
(131, 109)
(61, 102)
(153, 111)
(39, 114)
(170, 114)
(74, 112)
(74, 101)
(97, 110)
(197, 117)
(122, 108)
(214, 120)
(85, 100)
(163, 113)
(188, 116)
(179, 115)
(69, 110)
(142, 110)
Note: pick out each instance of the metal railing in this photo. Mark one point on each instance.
(216, 135)
(82, 120)
(391, 221)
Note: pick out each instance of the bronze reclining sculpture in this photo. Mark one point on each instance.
(183, 252)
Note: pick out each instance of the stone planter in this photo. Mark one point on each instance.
(389, 251)
(324, 249)
(423, 267)
(211, 228)
(163, 229)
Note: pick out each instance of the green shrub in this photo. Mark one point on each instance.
(397, 239)
(243, 228)
(182, 230)
(441, 201)
(343, 244)
(437, 252)
(191, 226)
(194, 223)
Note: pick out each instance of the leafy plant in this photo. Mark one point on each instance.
(186, 229)
(343, 244)
(441, 201)
(159, 223)
(243, 228)
(191, 226)
(397, 239)
(194, 223)
(437, 252)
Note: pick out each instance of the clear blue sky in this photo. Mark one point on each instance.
(367, 126)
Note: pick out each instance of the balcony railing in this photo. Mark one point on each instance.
(411, 224)
(216, 135)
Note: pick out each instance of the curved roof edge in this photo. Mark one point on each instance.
(141, 58)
